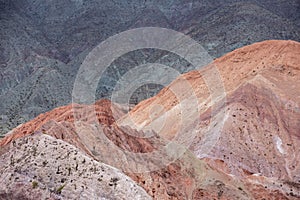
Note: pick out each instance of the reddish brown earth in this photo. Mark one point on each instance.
(261, 134)
(257, 121)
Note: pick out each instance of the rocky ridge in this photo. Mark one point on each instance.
(44, 43)
(261, 106)
(255, 155)
(42, 167)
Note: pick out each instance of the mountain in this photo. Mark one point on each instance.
(43, 43)
(259, 108)
(42, 167)
(227, 131)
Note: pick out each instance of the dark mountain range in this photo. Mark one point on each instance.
(43, 42)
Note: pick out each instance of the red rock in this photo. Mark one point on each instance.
(255, 153)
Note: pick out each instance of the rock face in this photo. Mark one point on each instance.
(23, 154)
(43, 43)
(259, 137)
(42, 167)
(242, 143)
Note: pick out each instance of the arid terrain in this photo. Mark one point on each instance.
(230, 130)
(43, 43)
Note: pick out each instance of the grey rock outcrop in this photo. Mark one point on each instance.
(42, 167)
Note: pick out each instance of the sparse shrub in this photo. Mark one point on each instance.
(34, 184)
(59, 190)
